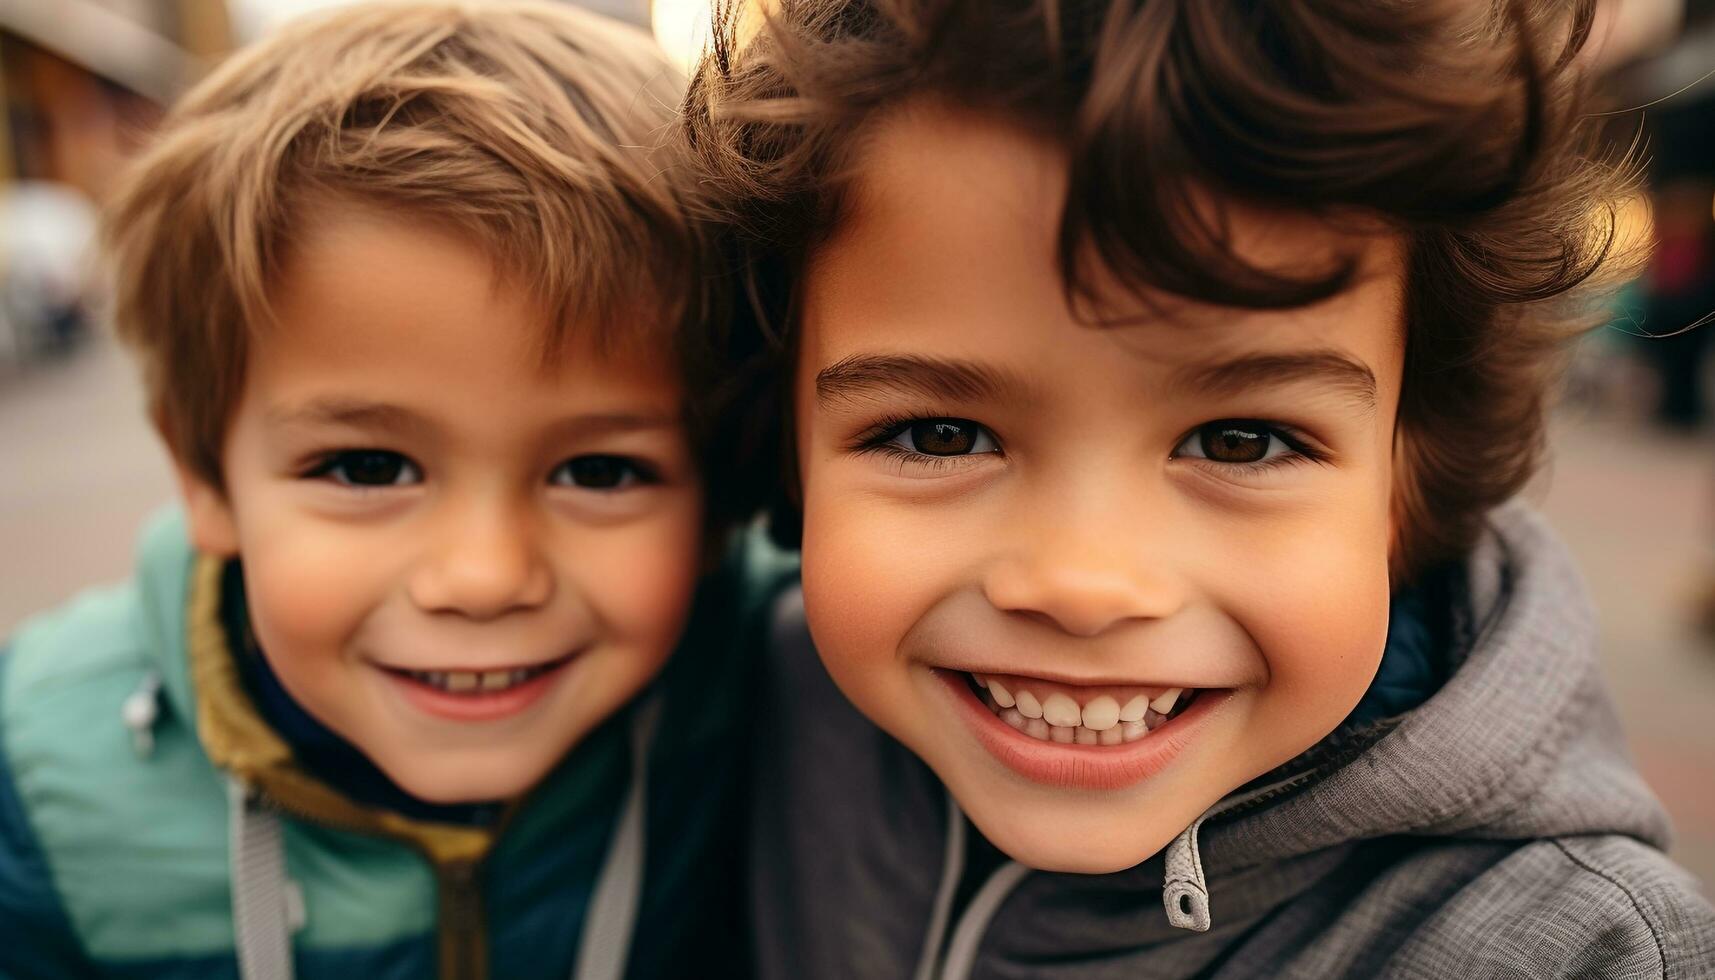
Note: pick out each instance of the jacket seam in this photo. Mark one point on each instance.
(1637, 905)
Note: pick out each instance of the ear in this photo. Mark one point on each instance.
(214, 531)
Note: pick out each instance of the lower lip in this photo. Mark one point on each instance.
(1081, 766)
(478, 706)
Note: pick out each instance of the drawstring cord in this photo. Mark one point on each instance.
(612, 917)
(266, 904)
(953, 866)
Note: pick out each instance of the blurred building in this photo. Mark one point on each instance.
(82, 83)
(81, 80)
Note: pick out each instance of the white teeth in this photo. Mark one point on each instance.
(475, 681)
(1134, 709)
(1058, 709)
(1101, 714)
(1058, 718)
(1027, 704)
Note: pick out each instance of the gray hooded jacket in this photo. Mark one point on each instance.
(1498, 830)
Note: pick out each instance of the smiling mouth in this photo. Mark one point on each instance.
(1059, 713)
(477, 683)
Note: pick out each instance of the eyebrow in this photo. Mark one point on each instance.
(358, 413)
(864, 375)
(352, 412)
(1332, 368)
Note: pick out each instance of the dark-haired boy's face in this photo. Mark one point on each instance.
(1096, 578)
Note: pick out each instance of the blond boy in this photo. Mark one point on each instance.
(392, 697)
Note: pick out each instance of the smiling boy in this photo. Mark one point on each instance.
(1262, 592)
(1155, 372)
(394, 695)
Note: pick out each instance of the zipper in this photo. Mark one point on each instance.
(463, 946)
(461, 937)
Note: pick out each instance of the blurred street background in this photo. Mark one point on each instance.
(1631, 485)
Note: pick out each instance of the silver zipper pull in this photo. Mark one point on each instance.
(139, 712)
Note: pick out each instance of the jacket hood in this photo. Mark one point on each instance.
(165, 563)
(1520, 742)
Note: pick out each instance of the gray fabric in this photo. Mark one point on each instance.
(953, 866)
(261, 909)
(962, 950)
(613, 903)
(1498, 830)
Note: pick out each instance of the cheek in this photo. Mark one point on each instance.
(864, 575)
(640, 577)
(310, 585)
(1315, 602)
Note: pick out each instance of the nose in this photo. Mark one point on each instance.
(484, 560)
(1085, 569)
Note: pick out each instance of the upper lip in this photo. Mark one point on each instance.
(468, 668)
(1072, 681)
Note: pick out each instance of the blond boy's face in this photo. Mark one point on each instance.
(456, 559)
(1024, 534)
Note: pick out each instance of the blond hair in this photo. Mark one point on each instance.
(531, 127)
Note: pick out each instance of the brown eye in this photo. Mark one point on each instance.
(1229, 442)
(601, 472)
(369, 468)
(945, 437)
(1241, 442)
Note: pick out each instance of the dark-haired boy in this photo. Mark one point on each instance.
(1158, 377)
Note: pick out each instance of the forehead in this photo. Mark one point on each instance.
(949, 231)
(368, 301)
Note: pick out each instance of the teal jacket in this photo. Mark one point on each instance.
(153, 825)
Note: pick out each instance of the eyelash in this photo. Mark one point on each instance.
(878, 439)
(1300, 451)
(326, 465)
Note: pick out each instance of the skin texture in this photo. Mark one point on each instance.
(486, 546)
(1082, 538)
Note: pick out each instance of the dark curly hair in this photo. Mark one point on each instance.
(1463, 126)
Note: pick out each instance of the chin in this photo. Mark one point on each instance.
(1051, 839)
(435, 782)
